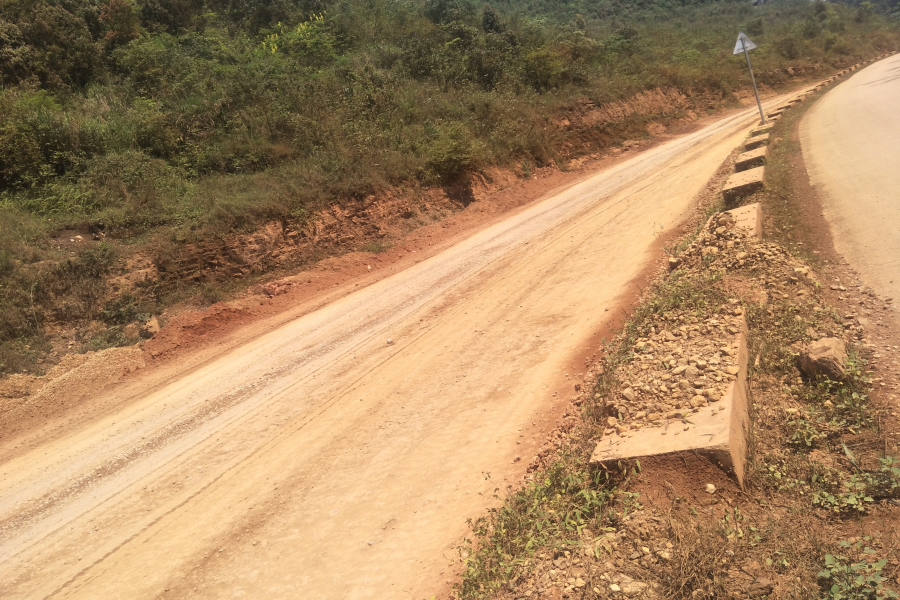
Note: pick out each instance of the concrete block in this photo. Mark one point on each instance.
(757, 141)
(743, 184)
(751, 158)
(748, 218)
(718, 431)
(774, 114)
(761, 129)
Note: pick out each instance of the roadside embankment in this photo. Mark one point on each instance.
(389, 235)
(815, 505)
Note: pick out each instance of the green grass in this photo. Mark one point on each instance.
(547, 514)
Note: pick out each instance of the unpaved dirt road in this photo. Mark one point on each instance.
(851, 145)
(319, 461)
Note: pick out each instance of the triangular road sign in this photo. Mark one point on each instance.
(743, 43)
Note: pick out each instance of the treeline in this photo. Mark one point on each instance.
(203, 117)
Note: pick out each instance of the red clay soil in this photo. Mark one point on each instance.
(336, 277)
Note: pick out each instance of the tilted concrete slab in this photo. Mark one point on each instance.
(718, 431)
(743, 184)
(774, 114)
(748, 218)
(756, 142)
(761, 129)
(752, 158)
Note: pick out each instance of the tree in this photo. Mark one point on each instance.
(120, 21)
(490, 21)
(50, 42)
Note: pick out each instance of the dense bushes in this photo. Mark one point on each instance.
(392, 91)
(53, 43)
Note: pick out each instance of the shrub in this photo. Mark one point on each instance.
(446, 11)
(21, 162)
(789, 47)
(121, 23)
(450, 153)
(859, 580)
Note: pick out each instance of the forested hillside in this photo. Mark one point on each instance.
(145, 121)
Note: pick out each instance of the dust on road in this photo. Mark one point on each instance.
(319, 461)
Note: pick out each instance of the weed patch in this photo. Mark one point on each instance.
(855, 576)
(550, 512)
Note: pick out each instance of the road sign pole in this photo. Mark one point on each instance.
(755, 91)
(745, 44)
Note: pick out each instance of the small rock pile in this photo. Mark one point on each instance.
(724, 246)
(720, 233)
(685, 366)
(609, 564)
(689, 360)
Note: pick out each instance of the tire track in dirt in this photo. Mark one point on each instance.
(372, 432)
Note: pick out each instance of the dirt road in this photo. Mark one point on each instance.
(851, 146)
(320, 461)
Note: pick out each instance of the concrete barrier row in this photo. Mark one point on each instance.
(718, 431)
(750, 166)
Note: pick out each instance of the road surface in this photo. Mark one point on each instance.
(851, 145)
(319, 461)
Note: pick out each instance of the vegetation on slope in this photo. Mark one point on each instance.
(142, 120)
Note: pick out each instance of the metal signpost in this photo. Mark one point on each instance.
(743, 45)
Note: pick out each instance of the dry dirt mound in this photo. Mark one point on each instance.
(191, 327)
(651, 103)
(25, 399)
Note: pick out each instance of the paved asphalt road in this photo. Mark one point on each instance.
(851, 145)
